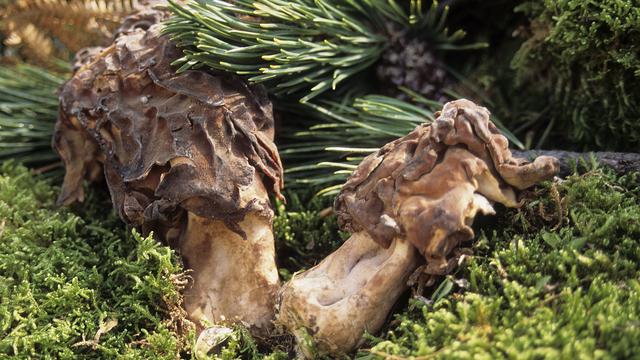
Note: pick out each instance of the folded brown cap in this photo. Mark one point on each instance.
(428, 186)
(165, 142)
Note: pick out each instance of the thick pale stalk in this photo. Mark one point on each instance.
(234, 280)
(349, 292)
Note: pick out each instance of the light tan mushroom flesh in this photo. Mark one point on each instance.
(188, 156)
(235, 280)
(416, 196)
(350, 291)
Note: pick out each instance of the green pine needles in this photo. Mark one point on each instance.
(301, 47)
(28, 111)
(336, 136)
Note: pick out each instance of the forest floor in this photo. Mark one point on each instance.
(557, 278)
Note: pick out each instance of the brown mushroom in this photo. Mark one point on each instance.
(189, 156)
(416, 196)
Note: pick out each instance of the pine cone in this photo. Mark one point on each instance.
(411, 62)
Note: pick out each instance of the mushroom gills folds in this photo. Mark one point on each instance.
(416, 196)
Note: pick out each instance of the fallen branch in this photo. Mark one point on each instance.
(620, 162)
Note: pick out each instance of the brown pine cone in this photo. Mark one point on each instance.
(411, 62)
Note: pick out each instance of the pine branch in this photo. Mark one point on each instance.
(301, 47)
(36, 45)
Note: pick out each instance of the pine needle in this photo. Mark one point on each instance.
(338, 135)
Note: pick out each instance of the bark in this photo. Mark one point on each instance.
(621, 163)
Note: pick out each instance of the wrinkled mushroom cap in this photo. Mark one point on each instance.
(427, 186)
(166, 143)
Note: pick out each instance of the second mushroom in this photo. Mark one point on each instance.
(412, 201)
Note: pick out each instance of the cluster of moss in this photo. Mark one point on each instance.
(586, 55)
(306, 231)
(555, 279)
(79, 284)
(559, 74)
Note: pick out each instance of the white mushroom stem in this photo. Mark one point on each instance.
(349, 292)
(235, 280)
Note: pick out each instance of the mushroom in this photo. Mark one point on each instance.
(188, 156)
(417, 195)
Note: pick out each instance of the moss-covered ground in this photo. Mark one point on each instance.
(557, 278)
(78, 284)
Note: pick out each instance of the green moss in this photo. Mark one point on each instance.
(556, 279)
(306, 231)
(584, 55)
(558, 74)
(66, 276)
